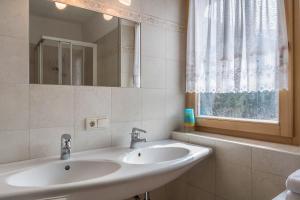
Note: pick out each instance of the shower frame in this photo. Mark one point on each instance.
(62, 41)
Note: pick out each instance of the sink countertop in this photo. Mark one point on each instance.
(126, 172)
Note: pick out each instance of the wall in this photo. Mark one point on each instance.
(239, 169)
(32, 117)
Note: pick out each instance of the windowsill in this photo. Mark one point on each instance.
(238, 119)
(193, 136)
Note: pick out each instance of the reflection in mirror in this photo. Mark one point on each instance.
(75, 46)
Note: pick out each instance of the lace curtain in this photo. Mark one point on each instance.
(236, 46)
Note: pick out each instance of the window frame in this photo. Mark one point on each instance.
(281, 132)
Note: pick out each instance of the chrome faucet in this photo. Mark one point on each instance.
(65, 150)
(135, 137)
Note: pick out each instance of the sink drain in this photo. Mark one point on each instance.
(67, 167)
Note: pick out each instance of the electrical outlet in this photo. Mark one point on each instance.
(91, 123)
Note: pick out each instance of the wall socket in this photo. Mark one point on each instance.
(96, 123)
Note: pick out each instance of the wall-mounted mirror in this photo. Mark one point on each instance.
(75, 46)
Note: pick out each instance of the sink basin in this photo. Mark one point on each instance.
(155, 155)
(62, 173)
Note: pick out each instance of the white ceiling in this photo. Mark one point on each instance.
(47, 8)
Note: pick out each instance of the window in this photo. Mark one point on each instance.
(237, 64)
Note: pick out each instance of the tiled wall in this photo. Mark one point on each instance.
(239, 169)
(32, 117)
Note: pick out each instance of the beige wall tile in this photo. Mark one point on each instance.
(126, 104)
(233, 181)
(203, 175)
(278, 163)
(153, 41)
(154, 104)
(159, 194)
(266, 186)
(47, 141)
(202, 141)
(91, 102)
(14, 18)
(232, 152)
(177, 11)
(51, 106)
(180, 136)
(14, 60)
(155, 8)
(120, 132)
(14, 107)
(153, 73)
(177, 189)
(14, 146)
(85, 140)
(194, 193)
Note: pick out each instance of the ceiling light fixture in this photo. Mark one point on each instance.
(107, 17)
(125, 2)
(60, 6)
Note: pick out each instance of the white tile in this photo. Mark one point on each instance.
(51, 106)
(175, 76)
(86, 140)
(47, 141)
(266, 186)
(175, 104)
(14, 146)
(156, 130)
(14, 18)
(14, 60)
(14, 107)
(233, 181)
(126, 104)
(175, 45)
(153, 72)
(153, 41)
(121, 132)
(194, 193)
(203, 175)
(154, 104)
(91, 102)
(232, 152)
(279, 163)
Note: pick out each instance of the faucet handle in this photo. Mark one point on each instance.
(138, 130)
(66, 140)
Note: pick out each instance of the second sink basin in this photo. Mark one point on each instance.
(62, 172)
(155, 155)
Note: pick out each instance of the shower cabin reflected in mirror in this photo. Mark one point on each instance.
(75, 46)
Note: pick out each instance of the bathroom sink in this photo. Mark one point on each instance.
(155, 155)
(62, 172)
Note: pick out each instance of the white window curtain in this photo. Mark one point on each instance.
(236, 46)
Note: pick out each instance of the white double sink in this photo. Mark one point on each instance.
(111, 173)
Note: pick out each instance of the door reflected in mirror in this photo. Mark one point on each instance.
(75, 46)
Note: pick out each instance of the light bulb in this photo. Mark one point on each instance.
(60, 6)
(107, 17)
(125, 2)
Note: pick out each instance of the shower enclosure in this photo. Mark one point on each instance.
(65, 62)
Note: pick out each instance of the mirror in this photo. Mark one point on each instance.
(75, 46)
